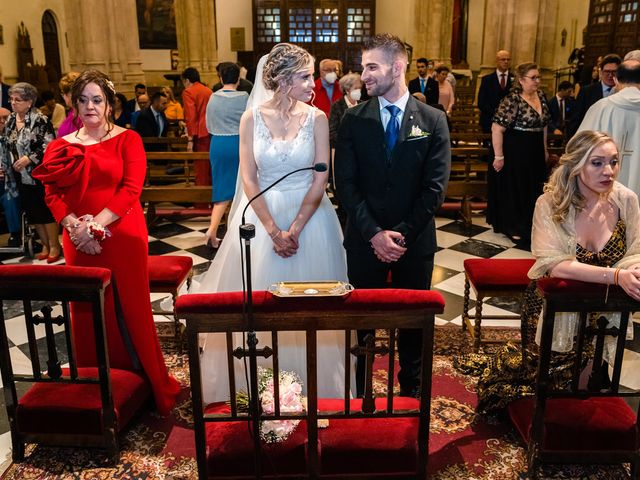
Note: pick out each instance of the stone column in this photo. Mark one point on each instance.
(196, 31)
(98, 38)
(432, 32)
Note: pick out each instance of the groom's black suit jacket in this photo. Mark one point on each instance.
(400, 191)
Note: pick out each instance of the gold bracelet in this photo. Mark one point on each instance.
(615, 276)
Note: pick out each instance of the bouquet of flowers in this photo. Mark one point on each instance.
(291, 400)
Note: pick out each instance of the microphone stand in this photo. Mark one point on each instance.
(247, 232)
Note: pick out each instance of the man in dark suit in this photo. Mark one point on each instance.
(152, 122)
(133, 105)
(561, 108)
(4, 94)
(493, 88)
(392, 164)
(594, 92)
(424, 84)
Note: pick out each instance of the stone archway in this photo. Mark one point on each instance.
(53, 64)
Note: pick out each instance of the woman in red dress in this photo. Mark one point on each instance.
(93, 179)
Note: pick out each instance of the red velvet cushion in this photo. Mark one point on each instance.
(597, 423)
(561, 287)
(346, 446)
(380, 445)
(75, 408)
(365, 299)
(498, 274)
(168, 270)
(230, 448)
(54, 274)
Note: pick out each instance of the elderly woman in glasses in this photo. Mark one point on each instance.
(520, 152)
(27, 134)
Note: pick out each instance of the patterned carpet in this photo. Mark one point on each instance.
(462, 444)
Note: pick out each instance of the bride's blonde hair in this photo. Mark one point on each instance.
(563, 183)
(283, 62)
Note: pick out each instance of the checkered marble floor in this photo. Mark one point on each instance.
(456, 243)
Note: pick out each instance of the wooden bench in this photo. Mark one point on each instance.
(171, 144)
(369, 437)
(178, 187)
(468, 178)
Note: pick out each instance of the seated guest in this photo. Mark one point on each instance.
(151, 121)
(134, 104)
(52, 109)
(143, 101)
(586, 227)
(8, 187)
(561, 106)
(174, 111)
(120, 115)
(72, 123)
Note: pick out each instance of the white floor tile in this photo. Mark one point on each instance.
(197, 259)
(17, 330)
(446, 239)
(440, 221)
(514, 253)
(455, 285)
(186, 240)
(452, 259)
(5, 452)
(496, 238)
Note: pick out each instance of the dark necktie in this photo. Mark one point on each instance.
(159, 122)
(422, 80)
(393, 127)
(562, 112)
(503, 81)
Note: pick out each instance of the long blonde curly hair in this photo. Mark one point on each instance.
(563, 183)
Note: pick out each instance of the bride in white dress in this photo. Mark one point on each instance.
(298, 236)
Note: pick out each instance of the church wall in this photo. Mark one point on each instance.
(475, 34)
(235, 14)
(395, 16)
(31, 14)
(573, 16)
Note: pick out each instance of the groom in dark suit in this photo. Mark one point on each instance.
(392, 165)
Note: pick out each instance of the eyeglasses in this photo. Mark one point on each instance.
(16, 100)
(610, 72)
(535, 78)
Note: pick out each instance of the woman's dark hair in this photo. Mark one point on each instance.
(105, 85)
(442, 68)
(123, 100)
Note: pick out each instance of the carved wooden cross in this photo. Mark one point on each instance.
(53, 364)
(369, 350)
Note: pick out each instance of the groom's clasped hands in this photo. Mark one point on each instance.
(388, 245)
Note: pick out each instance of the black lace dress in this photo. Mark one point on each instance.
(514, 190)
(503, 376)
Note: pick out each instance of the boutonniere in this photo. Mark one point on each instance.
(416, 132)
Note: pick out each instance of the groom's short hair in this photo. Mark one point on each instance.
(390, 44)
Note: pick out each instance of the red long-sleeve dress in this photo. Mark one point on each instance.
(84, 180)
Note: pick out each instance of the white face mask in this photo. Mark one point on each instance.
(331, 78)
(355, 94)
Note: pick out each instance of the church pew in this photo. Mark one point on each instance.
(468, 179)
(366, 438)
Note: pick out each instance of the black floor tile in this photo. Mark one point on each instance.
(203, 251)
(201, 268)
(440, 274)
(460, 228)
(478, 248)
(168, 230)
(511, 304)
(452, 305)
(158, 247)
(21, 389)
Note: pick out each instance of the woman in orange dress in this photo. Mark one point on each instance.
(93, 179)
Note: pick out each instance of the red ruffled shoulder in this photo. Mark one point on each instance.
(63, 164)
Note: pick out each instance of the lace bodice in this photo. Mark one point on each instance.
(276, 158)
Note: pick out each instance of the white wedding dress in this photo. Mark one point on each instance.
(320, 256)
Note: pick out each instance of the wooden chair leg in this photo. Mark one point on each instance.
(465, 303)
(177, 327)
(477, 328)
(17, 449)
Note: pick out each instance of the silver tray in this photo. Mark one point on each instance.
(311, 289)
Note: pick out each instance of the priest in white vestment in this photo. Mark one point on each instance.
(618, 115)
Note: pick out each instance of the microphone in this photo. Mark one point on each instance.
(318, 167)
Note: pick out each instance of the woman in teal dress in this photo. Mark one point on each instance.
(224, 110)
(585, 227)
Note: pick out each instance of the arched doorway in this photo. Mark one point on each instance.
(51, 48)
